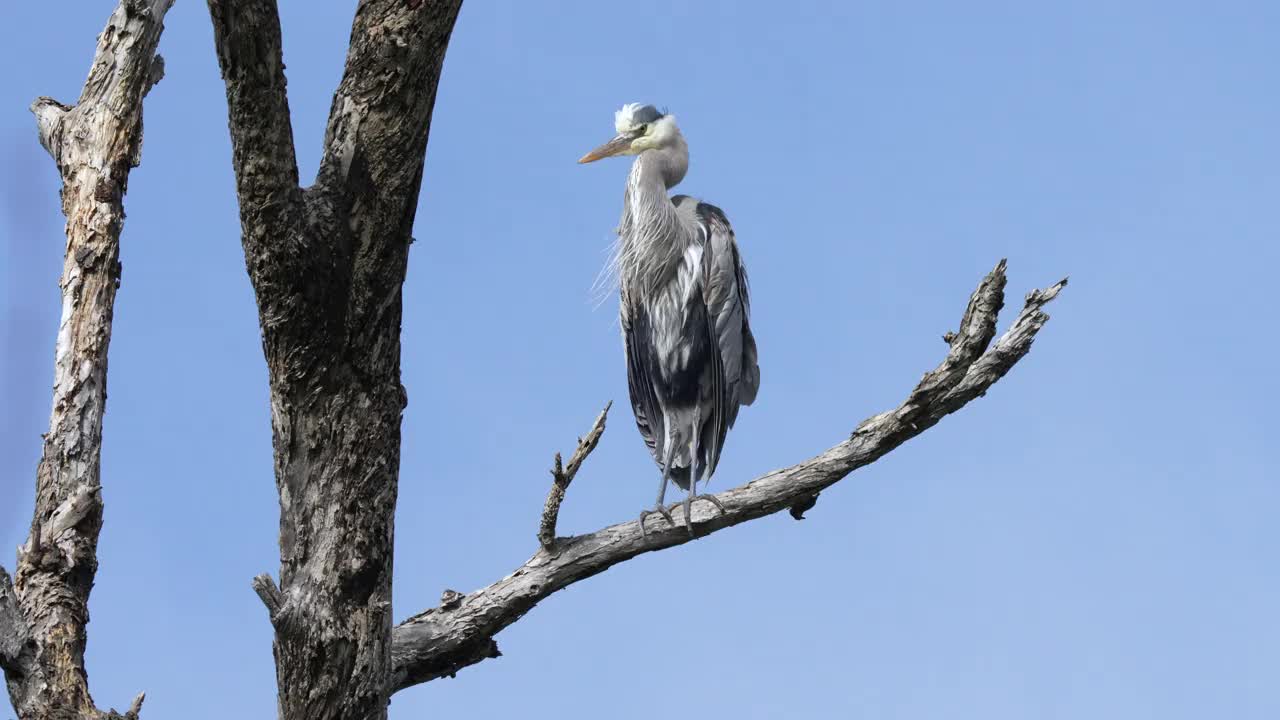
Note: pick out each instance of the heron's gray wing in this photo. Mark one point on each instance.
(636, 334)
(735, 373)
(750, 378)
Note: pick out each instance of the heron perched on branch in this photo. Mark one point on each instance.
(691, 359)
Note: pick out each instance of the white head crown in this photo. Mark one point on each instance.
(634, 115)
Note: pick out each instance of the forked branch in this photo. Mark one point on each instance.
(562, 475)
(442, 640)
(327, 264)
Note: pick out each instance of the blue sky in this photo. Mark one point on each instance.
(1095, 538)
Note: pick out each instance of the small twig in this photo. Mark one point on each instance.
(562, 475)
(449, 599)
(269, 594)
(136, 706)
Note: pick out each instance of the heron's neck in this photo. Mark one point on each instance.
(653, 237)
(662, 168)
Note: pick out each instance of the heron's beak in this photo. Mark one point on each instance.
(615, 146)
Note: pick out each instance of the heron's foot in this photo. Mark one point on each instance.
(688, 508)
(714, 501)
(659, 510)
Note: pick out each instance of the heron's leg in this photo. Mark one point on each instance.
(694, 467)
(693, 494)
(659, 509)
(667, 453)
(688, 505)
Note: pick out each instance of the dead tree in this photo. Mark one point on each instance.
(327, 263)
(44, 609)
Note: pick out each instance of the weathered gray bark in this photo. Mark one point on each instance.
(442, 640)
(94, 143)
(327, 263)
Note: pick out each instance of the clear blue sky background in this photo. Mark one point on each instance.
(1097, 538)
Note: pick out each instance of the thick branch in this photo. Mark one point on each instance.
(94, 144)
(374, 149)
(246, 34)
(381, 113)
(562, 475)
(440, 641)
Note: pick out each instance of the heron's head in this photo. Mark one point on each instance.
(640, 128)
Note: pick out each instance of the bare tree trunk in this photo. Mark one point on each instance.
(95, 144)
(327, 264)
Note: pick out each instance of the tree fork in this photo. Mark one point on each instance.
(327, 264)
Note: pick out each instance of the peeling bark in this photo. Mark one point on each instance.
(94, 143)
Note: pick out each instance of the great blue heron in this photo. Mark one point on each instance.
(691, 359)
